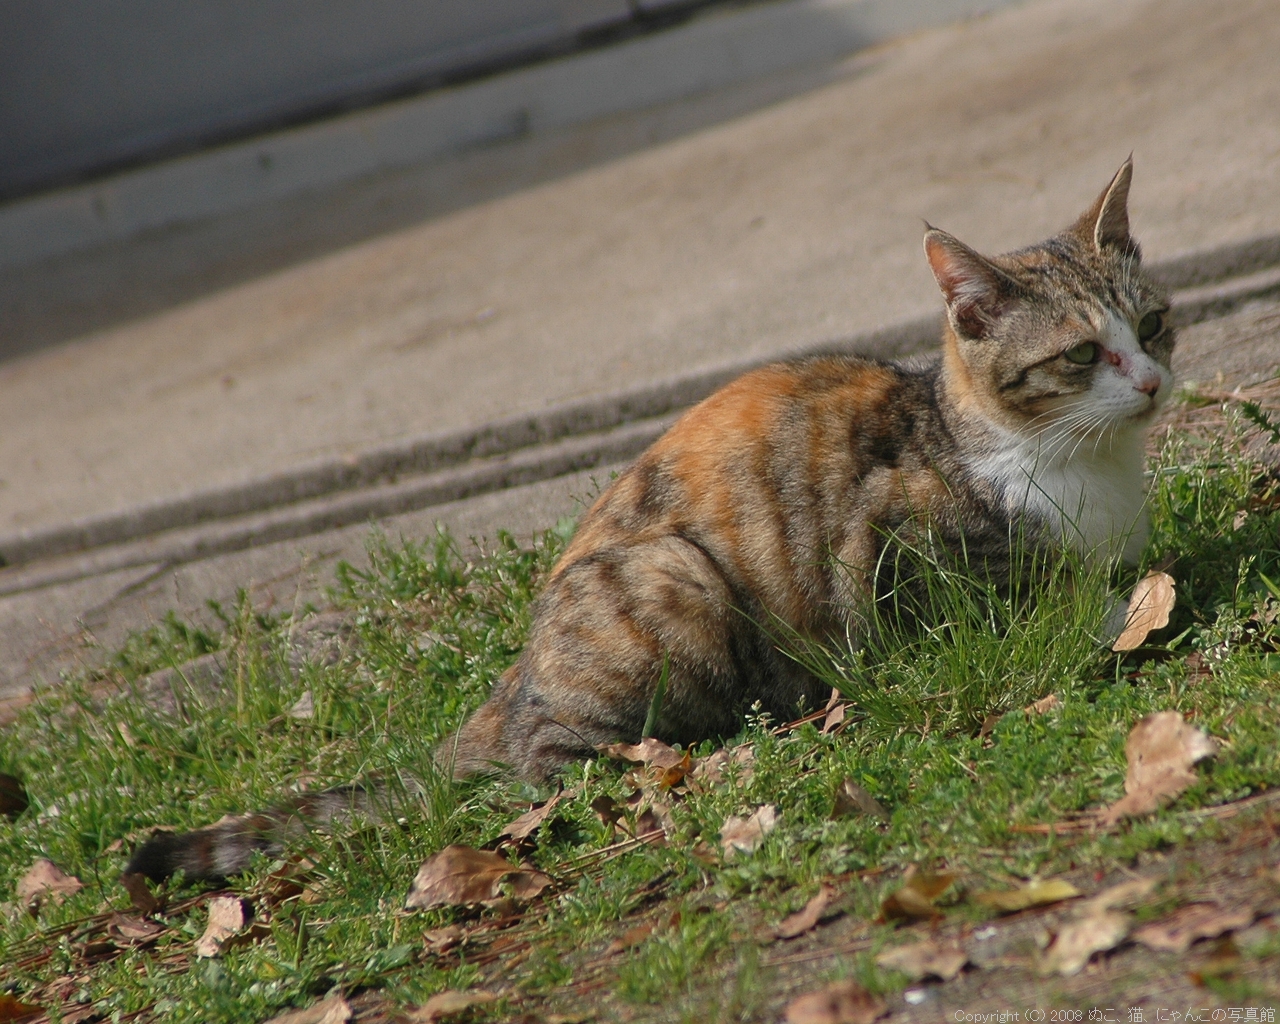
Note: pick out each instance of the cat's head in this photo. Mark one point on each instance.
(1065, 337)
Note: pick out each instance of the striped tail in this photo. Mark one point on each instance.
(227, 846)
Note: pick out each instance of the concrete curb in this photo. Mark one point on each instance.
(421, 472)
(714, 51)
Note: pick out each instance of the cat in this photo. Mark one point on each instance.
(772, 502)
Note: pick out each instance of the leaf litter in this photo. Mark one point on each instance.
(45, 881)
(1149, 606)
(1161, 750)
(842, 1002)
(926, 959)
(460, 876)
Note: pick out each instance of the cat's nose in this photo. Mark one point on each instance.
(1148, 385)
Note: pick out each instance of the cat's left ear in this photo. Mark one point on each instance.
(1106, 223)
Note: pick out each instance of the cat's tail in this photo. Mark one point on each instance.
(227, 847)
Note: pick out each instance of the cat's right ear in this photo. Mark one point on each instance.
(975, 289)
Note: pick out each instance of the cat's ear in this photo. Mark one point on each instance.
(1106, 223)
(976, 289)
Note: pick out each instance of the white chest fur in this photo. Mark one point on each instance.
(1092, 493)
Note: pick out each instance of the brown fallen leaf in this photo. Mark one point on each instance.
(631, 937)
(647, 752)
(1188, 924)
(1198, 668)
(925, 959)
(608, 810)
(13, 798)
(45, 880)
(1033, 894)
(14, 1010)
(802, 920)
(1078, 940)
(655, 815)
(449, 1003)
(127, 930)
(144, 901)
(333, 1010)
(304, 707)
(743, 835)
(1125, 894)
(1161, 750)
(852, 799)
(1043, 706)
(714, 769)
(675, 774)
(532, 819)
(1223, 962)
(459, 875)
(914, 900)
(228, 917)
(834, 719)
(1149, 607)
(441, 940)
(843, 1002)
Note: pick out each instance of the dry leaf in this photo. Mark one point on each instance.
(607, 810)
(834, 719)
(144, 902)
(128, 930)
(655, 816)
(1126, 894)
(714, 769)
(1187, 924)
(844, 1002)
(228, 916)
(333, 1010)
(914, 901)
(647, 752)
(12, 1009)
(674, 775)
(1223, 962)
(1149, 607)
(1161, 750)
(303, 707)
(441, 940)
(802, 920)
(1078, 940)
(743, 835)
(459, 875)
(46, 879)
(450, 1002)
(852, 799)
(1043, 706)
(924, 960)
(1033, 894)
(531, 820)
(631, 937)
(13, 798)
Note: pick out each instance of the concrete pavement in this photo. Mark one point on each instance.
(790, 227)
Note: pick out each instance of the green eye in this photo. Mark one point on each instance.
(1149, 326)
(1083, 354)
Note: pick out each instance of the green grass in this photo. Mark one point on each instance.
(433, 627)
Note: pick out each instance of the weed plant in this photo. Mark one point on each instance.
(937, 734)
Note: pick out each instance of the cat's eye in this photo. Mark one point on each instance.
(1083, 354)
(1149, 326)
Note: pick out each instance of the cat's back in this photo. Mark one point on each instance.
(774, 469)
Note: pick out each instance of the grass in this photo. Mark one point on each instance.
(936, 734)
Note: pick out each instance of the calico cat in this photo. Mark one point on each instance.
(773, 500)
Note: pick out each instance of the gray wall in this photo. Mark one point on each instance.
(87, 85)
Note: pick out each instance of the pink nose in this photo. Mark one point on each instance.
(1149, 385)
